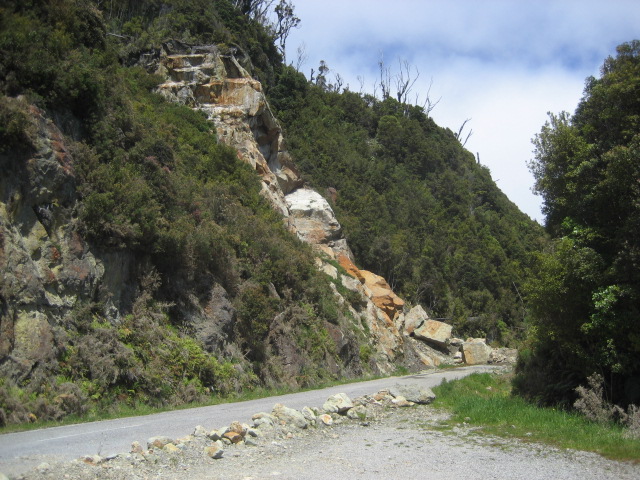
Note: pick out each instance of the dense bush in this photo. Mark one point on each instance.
(415, 206)
(585, 297)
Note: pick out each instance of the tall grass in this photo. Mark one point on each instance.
(485, 400)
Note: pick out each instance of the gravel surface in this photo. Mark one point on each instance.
(394, 443)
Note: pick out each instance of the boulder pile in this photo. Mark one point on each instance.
(437, 334)
(265, 428)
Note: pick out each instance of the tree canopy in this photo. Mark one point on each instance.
(586, 296)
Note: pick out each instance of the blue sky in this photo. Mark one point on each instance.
(503, 64)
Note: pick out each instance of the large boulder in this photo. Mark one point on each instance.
(434, 332)
(289, 416)
(475, 351)
(414, 319)
(312, 217)
(413, 393)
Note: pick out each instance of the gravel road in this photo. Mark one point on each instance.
(394, 443)
(24, 450)
(405, 444)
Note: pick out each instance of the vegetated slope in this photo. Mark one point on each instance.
(140, 263)
(586, 298)
(415, 205)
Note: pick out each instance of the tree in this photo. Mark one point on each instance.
(586, 298)
(286, 20)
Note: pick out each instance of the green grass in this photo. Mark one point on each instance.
(485, 400)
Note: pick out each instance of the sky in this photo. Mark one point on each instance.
(502, 64)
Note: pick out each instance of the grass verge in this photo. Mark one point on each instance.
(485, 400)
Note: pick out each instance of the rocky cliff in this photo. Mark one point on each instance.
(46, 265)
(212, 80)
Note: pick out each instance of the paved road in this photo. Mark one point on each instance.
(22, 451)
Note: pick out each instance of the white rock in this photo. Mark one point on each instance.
(338, 403)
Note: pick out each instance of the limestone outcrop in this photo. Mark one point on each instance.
(210, 79)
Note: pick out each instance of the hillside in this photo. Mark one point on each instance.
(416, 207)
(150, 242)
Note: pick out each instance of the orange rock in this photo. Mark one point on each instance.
(351, 269)
(233, 437)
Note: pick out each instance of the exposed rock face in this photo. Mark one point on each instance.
(212, 80)
(206, 78)
(214, 323)
(46, 266)
(377, 289)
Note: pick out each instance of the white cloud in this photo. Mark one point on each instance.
(502, 63)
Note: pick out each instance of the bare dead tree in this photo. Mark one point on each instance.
(361, 82)
(404, 82)
(302, 56)
(459, 134)
(339, 82)
(428, 105)
(385, 78)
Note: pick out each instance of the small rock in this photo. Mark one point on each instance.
(214, 451)
(216, 435)
(359, 412)
(308, 414)
(170, 448)
(92, 459)
(325, 419)
(199, 431)
(400, 401)
(136, 447)
(238, 428)
(233, 437)
(158, 442)
(261, 419)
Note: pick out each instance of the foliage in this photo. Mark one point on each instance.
(415, 206)
(585, 297)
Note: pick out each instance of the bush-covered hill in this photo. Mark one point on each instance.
(140, 186)
(128, 234)
(415, 206)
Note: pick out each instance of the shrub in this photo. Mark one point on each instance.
(593, 405)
